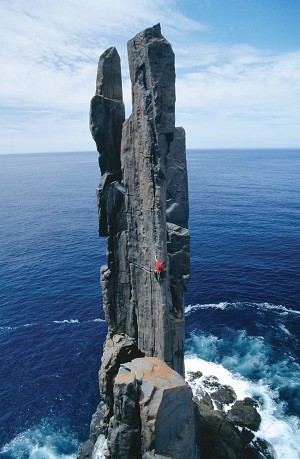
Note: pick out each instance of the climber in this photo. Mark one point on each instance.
(159, 270)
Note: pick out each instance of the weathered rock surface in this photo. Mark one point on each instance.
(227, 425)
(119, 349)
(143, 186)
(244, 414)
(150, 143)
(107, 112)
(153, 413)
(143, 213)
(87, 447)
(147, 410)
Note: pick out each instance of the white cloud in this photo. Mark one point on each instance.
(49, 54)
(245, 96)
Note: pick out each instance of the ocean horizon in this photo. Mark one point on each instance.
(242, 304)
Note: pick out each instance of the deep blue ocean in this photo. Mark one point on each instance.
(242, 304)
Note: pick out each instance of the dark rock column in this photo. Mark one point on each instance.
(143, 213)
(150, 144)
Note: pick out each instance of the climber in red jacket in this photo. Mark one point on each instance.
(159, 270)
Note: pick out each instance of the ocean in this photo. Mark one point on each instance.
(242, 304)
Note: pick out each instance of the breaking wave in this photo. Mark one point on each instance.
(253, 368)
(44, 441)
(280, 309)
(193, 308)
(5, 328)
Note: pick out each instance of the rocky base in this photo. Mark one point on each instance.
(153, 404)
(88, 447)
(227, 425)
(154, 415)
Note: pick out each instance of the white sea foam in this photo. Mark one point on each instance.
(285, 330)
(280, 430)
(283, 310)
(195, 307)
(17, 326)
(100, 449)
(66, 321)
(61, 322)
(44, 441)
(276, 308)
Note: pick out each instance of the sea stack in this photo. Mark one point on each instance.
(143, 213)
(147, 409)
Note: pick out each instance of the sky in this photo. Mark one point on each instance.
(237, 69)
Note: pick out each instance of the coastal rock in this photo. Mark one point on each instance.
(117, 350)
(147, 410)
(143, 213)
(148, 147)
(143, 185)
(244, 414)
(227, 425)
(154, 415)
(260, 449)
(88, 447)
(107, 112)
(218, 438)
(176, 181)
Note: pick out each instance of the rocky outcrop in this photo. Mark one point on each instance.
(147, 409)
(118, 349)
(143, 213)
(153, 413)
(143, 186)
(227, 426)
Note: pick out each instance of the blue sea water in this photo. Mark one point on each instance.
(242, 305)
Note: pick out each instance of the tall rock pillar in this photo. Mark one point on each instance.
(143, 213)
(151, 147)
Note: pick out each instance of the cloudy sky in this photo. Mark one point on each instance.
(237, 66)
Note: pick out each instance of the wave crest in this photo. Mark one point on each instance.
(46, 440)
(264, 306)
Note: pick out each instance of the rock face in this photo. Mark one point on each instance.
(143, 186)
(143, 213)
(227, 426)
(153, 412)
(147, 409)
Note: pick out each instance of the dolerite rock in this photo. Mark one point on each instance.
(143, 213)
(260, 449)
(149, 145)
(118, 349)
(136, 201)
(177, 184)
(154, 415)
(107, 112)
(244, 413)
(87, 448)
(218, 438)
(227, 425)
